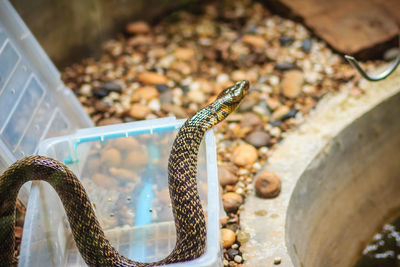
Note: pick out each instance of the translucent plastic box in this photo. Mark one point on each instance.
(34, 103)
(124, 169)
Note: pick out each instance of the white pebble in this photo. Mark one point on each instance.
(238, 259)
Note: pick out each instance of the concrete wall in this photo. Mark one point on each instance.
(69, 30)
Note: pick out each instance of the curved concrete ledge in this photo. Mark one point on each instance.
(340, 181)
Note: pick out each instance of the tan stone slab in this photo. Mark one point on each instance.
(349, 26)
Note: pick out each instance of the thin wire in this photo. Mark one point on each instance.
(380, 76)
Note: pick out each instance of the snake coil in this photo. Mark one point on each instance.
(95, 249)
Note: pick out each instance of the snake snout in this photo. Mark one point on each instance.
(240, 88)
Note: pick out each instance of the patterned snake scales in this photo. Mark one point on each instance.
(95, 249)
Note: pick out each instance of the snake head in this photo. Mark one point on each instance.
(233, 95)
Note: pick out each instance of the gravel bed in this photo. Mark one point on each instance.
(179, 65)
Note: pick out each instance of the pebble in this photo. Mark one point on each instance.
(249, 119)
(228, 237)
(286, 40)
(111, 87)
(184, 53)
(306, 45)
(284, 66)
(137, 27)
(292, 113)
(238, 259)
(178, 111)
(100, 92)
(109, 121)
(110, 157)
(231, 201)
(292, 82)
(146, 93)
(267, 185)
(226, 177)
(136, 158)
(103, 180)
(196, 97)
(244, 155)
(232, 253)
(162, 87)
(258, 138)
(280, 112)
(254, 40)
(391, 53)
(152, 78)
(139, 111)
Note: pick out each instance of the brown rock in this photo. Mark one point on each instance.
(254, 40)
(183, 53)
(144, 93)
(280, 112)
(103, 180)
(250, 119)
(139, 111)
(124, 174)
(273, 103)
(228, 237)
(140, 40)
(136, 158)
(258, 138)
(196, 96)
(137, 27)
(111, 157)
(244, 155)
(231, 201)
(152, 78)
(226, 177)
(292, 82)
(178, 111)
(109, 121)
(126, 144)
(267, 185)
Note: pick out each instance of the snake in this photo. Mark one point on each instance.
(95, 249)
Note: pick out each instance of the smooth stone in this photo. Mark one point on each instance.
(111, 86)
(162, 87)
(232, 253)
(111, 157)
(286, 40)
(284, 66)
(228, 237)
(244, 155)
(292, 113)
(280, 112)
(267, 185)
(197, 97)
(226, 177)
(109, 121)
(254, 40)
(178, 111)
(139, 111)
(104, 180)
(152, 78)
(137, 27)
(231, 201)
(100, 92)
(258, 138)
(292, 83)
(250, 119)
(146, 93)
(183, 53)
(306, 45)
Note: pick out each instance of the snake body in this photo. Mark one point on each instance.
(95, 249)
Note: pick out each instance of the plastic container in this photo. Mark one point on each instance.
(34, 103)
(124, 169)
